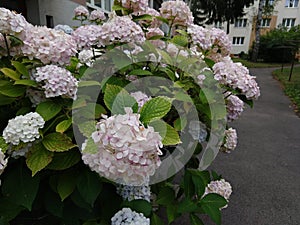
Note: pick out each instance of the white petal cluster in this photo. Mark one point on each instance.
(234, 106)
(65, 28)
(135, 5)
(11, 22)
(177, 12)
(128, 217)
(3, 161)
(81, 11)
(121, 29)
(130, 193)
(87, 36)
(48, 45)
(128, 152)
(97, 15)
(230, 140)
(140, 97)
(23, 128)
(86, 56)
(220, 187)
(236, 76)
(56, 81)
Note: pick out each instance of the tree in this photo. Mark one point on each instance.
(210, 11)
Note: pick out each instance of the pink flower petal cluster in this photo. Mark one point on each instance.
(135, 5)
(12, 23)
(97, 15)
(81, 11)
(230, 140)
(48, 45)
(236, 76)
(220, 187)
(177, 12)
(87, 36)
(56, 81)
(140, 97)
(128, 153)
(234, 106)
(150, 23)
(152, 32)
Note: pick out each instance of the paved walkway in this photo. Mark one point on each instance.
(264, 170)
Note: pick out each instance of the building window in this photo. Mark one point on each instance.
(238, 40)
(240, 23)
(268, 2)
(49, 21)
(288, 22)
(265, 22)
(219, 25)
(103, 4)
(291, 3)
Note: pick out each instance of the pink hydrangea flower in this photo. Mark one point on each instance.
(128, 152)
(56, 81)
(177, 12)
(152, 32)
(81, 11)
(97, 15)
(230, 140)
(150, 23)
(220, 187)
(48, 45)
(140, 97)
(87, 36)
(234, 106)
(135, 5)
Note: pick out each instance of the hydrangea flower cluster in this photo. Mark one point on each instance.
(87, 36)
(140, 97)
(128, 217)
(97, 16)
(23, 128)
(3, 162)
(57, 81)
(230, 140)
(236, 76)
(12, 23)
(154, 23)
(178, 12)
(234, 106)
(81, 11)
(135, 5)
(130, 193)
(220, 187)
(128, 152)
(86, 56)
(65, 28)
(48, 45)
(152, 32)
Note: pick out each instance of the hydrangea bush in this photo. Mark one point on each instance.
(116, 121)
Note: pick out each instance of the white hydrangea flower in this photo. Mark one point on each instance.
(65, 28)
(86, 56)
(3, 161)
(87, 36)
(236, 76)
(128, 217)
(234, 106)
(220, 187)
(128, 152)
(48, 45)
(140, 97)
(56, 81)
(135, 5)
(97, 15)
(23, 128)
(177, 12)
(230, 140)
(81, 11)
(130, 193)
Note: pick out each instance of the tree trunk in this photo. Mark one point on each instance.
(257, 31)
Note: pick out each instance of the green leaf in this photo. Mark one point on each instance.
(199, 185)
(167, 132)
(11, 90)
(117, 7)
(164, 20)
(87, 127)
(180, 40)
(4, 100)
(21, 68)
(91, 147)
(213, 212)
(10, 73)
(140, 206)
(140, 72)
(19, 187)
(64, 160)
(180, 123)
(88, 83)
(53, 204)
(57, 142)
(116, 99)
(213, 199)
(166, 196)
(9, 210)
(3, 145)
(155, 220)
(172, 213)
(48, 109)
(187, 206)
(63, 125)
(89, 186)
(209, 62)
(155, 108)
(38, 158)
(66, 184)
(189, 188)
(195, 220)
(166, 57)
(30, 83)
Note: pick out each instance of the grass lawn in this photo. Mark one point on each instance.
(291, 88)
(257, 64)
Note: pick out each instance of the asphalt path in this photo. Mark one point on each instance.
(264, 170)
